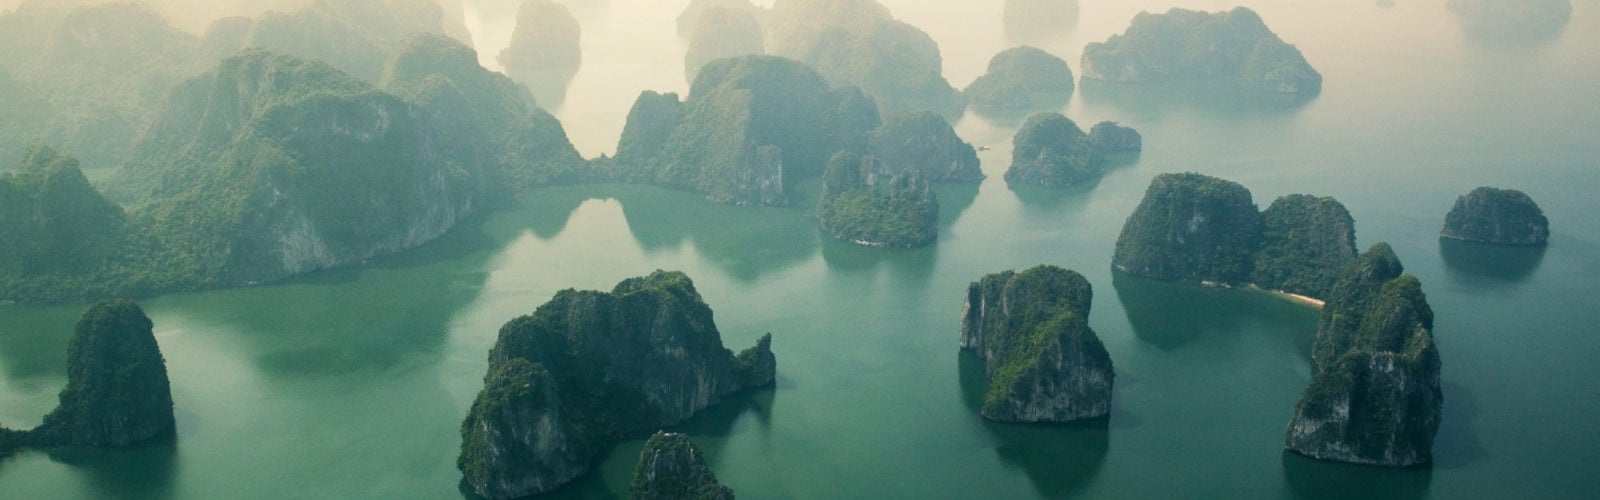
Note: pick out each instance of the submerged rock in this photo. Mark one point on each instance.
(1499, 216)
(1191, 228)
(1374, 396)
(671, 468)
(1115, 139)
(588, 369)
(1192, 45)
(1043, 362)
(1050, 150)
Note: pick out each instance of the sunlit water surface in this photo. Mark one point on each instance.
(352, 383)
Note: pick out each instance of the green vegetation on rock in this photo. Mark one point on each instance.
(1043, 362)
(1050, 150)
(857, 42)
(1021, 80)
(1200, 229)
(749, 127)
(1193, 228)
(117, 390)
(925, 142)
(1374, 396)
(671, 468)
(1115, 139)
(1192, 45)
(855, 208)
(63, 240)
(1306, 243)
(1499, 216)
(590, 368)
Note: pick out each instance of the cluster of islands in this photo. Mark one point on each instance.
(280, 145)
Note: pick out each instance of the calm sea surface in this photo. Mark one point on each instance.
(352, 383)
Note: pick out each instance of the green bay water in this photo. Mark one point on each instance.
(352, 383)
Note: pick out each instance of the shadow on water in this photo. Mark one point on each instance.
(1171, 315)
(1059, 459)
(1457, 443)
(142, 471)
(1042, 199)
(911, 265)
(954, 199)
(1472, 263)
(745, 241)
(1315, 479)
(33, 339)
(715, 422)
(369, 317)
(1015, 117)
(1214, 98)
(1034, 21)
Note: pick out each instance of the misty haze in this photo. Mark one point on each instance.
(662, 249)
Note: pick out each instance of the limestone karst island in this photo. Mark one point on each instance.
(798, 249)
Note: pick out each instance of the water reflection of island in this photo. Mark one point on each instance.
(1215, 98)
(1478, 263)
(1059, 459)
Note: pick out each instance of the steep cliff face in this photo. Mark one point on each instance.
(487, 123)
(597, 367)
(1115, 139)
(749, 126)
(1019, 81)
(1192, 228)
(722, 33)
(1374, 397)
(63, 240)
(924, 141)
(671, 468)
(1043, 362)
(854, 207)
(274, 166)
(545, 44)
(117, 389)
(1499, 216)
(858, 43)
(1306, 243)
(1050, 150)
(512, 442)
(1191, 45)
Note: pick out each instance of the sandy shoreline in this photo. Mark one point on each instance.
(1291, 297)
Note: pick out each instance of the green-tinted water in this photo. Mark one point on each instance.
(352, 383)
